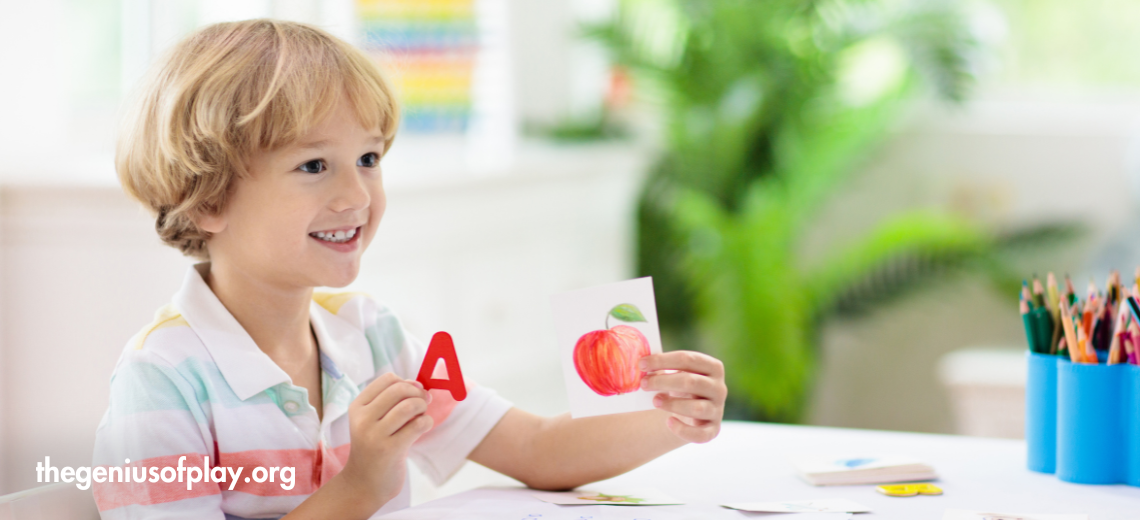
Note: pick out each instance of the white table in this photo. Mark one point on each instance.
(747, 463)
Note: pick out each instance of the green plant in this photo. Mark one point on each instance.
(768, 105)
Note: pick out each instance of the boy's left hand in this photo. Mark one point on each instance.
(694, 394)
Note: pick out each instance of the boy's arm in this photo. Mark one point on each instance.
(563, 453)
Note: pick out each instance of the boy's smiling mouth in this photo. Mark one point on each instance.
(338, 239)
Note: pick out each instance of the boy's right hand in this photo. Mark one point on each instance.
(384, 420)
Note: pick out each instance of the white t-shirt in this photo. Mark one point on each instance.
(193, 384)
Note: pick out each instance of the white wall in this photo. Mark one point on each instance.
(82, 271)
(36, 103)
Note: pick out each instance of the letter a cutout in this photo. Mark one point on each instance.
(441, 346)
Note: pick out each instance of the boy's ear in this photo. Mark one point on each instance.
(212, 223)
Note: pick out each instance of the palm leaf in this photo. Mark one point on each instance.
(748, 299)
(895, 255)
(817, 157)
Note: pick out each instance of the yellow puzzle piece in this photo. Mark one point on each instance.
(909, 490)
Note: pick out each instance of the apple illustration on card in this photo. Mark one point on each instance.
(602, 333)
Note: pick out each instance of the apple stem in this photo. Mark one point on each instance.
(607, 321)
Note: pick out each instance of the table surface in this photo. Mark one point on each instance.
(748, 462)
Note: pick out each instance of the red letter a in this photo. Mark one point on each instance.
(441, 346)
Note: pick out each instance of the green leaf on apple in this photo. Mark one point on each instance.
(627, 312)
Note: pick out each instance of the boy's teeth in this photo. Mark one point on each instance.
(336, 236)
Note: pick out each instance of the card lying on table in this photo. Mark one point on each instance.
(827, 505)
(614, 497)
(844, 471)
(962, 514)
(536, 510)
(602, 333)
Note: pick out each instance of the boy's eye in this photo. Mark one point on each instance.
(313, 166)
(368, 160)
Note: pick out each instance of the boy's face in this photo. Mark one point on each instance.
(307, 211)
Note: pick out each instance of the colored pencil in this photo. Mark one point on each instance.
(1102, 326)
(1053, 300)
(1030, 330)
(1115, 352)
(1070, 333)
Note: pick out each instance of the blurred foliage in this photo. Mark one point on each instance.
(1000, 261)
(769, 105)
(593, 127)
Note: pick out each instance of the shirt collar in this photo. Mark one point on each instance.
(247, 369)
(343, 344)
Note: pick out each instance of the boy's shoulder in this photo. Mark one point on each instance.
(168, 337)
(164, 363)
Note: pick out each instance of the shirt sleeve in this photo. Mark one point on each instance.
(459, 425)
(154, 420)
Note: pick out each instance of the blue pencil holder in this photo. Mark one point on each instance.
(1091, 425)
(1082, 421)
(1041, 413)
(1132, 415)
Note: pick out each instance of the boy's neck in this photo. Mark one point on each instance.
(276, 317)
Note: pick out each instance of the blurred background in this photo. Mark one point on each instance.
(839, 199)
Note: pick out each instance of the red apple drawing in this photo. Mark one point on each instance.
(606, 360)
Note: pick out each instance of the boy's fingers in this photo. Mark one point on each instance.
(390, 397)
(689, 420)
(374, 389)
(698, 385)
(702, 409)
(695, 434)
(685, 360)
(401, 414)
(412, 429)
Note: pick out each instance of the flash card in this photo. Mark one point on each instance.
(602, 333)
(828, 505)
(615, 497)
(962, 514)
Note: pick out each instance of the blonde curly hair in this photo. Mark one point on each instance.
(225, 91)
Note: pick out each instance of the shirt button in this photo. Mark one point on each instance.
(292, 406)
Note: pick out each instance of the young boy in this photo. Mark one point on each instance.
(257, 145)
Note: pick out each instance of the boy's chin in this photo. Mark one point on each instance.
(338, 278)
(338, 282)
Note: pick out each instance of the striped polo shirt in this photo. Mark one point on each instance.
(193, 384)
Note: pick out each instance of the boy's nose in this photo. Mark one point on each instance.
(351, 192)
